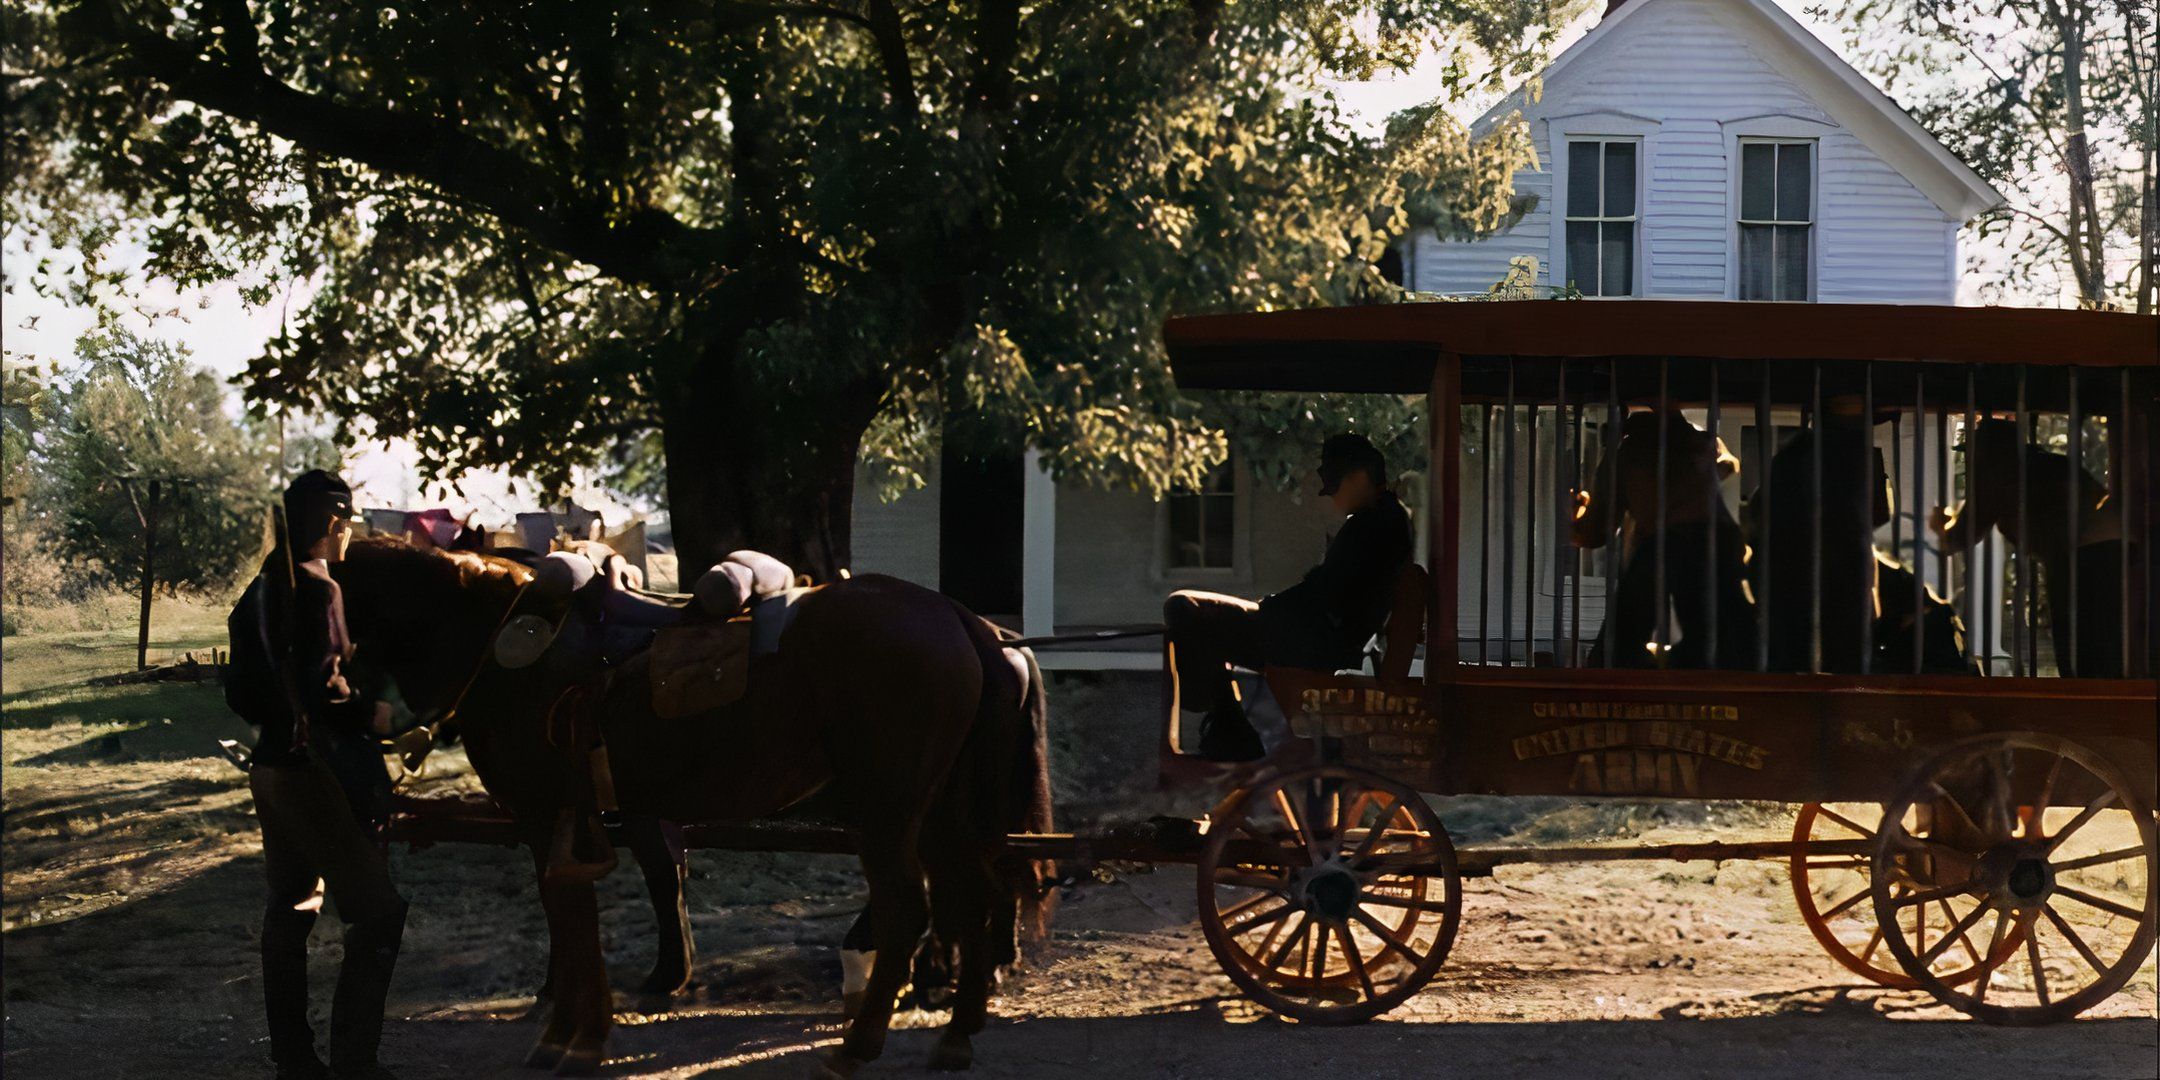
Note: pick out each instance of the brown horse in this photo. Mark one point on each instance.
(928, 731)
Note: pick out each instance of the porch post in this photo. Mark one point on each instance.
(1038, 548)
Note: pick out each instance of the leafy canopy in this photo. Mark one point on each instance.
(536, 232)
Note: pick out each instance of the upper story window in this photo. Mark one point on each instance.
(1201, 525)
(1601, 216)
(1777, 218)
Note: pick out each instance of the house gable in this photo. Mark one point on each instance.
(1688, 80)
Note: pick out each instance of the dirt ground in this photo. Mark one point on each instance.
(132, 893)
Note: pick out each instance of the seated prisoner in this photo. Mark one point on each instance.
(1321, 622)
(1782, 530)
(1625, 497)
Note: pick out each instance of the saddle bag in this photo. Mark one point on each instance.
(699, 667)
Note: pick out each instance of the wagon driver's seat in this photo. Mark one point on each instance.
(1405, 628)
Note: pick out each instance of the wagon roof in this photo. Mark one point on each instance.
(1390, 348)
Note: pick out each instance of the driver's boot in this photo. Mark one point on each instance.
(356, 1013)
(285, 993)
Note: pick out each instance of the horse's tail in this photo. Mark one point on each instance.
(1034, 806)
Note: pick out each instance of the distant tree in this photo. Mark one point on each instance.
(2058, 103)
(773, 237)
(130, 410)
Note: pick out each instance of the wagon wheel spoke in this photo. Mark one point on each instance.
(1273, 916)
(1374, 834)
(1300, 828)
(1926, 896)
(2047, 785)
(2117, 855)
(2002, 817)
(1241, 907)
(2063, 927)
(1357, 964)
(1990, 963)
(1843, 906)
(2032, 957)
(1394, 942)
(1874, 942)
(2092, 809)
(1320, 951)
(2101, 902)
(1274, 932)
(1951, 916)
(1957, 933)
(1411, 902)
(1290, 943)
(1865, 834)
(1275, 886)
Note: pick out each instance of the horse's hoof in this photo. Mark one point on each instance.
(579, 1061)
(545, 1055)
(953, 1053)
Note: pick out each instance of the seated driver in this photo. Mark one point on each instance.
(1321, 622)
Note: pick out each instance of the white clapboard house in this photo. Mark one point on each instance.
(1687, 149)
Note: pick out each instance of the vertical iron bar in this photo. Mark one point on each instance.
(1507, 525)
(1815, 441)
(1869, 483)
(2022, 597)
(1714, 511)
(1613, 555)
(1981, 626)
(1575, 463)
(1657, 569)
(1766, 449)
(1897, 480)
(1560, 530)
(1942, 496)
(2119, 432)
(1530, 559)
(1484, 551)
(2074, 452)
(1918, 497)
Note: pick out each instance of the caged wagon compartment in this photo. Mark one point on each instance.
(1968, 717)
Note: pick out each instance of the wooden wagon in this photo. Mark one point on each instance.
(2004, 859)
(1987, 835)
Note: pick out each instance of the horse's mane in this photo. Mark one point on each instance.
(488, 578)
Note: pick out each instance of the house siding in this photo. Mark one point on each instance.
(1681, 75)
(899, 538)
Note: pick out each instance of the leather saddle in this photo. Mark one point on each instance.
(697, 667)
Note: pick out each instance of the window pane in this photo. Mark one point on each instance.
(1582, 255)
(1184, 538)
(1792, 262)
(1582, 179)
(1617, 277)
(1219, 528)
(1756, 203)
(1755, 262)
(1793, 181)
(1619, 179)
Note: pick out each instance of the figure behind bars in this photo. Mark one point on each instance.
(1625, 498)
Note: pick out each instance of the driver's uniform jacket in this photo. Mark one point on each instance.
(1325, 620)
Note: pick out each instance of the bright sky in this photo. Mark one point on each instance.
(222, 332)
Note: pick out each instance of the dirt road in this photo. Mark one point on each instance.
(132, 897)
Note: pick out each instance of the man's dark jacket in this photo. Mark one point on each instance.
(316, 648)
(1325, 620)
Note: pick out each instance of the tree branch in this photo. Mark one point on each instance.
(648, 246)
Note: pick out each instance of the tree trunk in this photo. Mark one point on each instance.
(733, 482)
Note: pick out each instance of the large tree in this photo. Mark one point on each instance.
(2058, 103)
(769, 236)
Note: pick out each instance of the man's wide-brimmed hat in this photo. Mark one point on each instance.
(1345, 454)
(319, 490)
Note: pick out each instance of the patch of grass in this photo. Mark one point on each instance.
(30, 662)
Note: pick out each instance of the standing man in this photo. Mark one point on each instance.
(319, 785)
(1991, 485)
(1321, 622)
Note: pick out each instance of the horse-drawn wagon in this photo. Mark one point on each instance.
(1983, 831)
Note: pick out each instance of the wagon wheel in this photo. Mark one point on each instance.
(1832, 858)
(1329, 894)
(2080, 882)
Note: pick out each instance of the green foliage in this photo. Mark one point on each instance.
(129, 411)
(774, 233)
(2057, 102)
